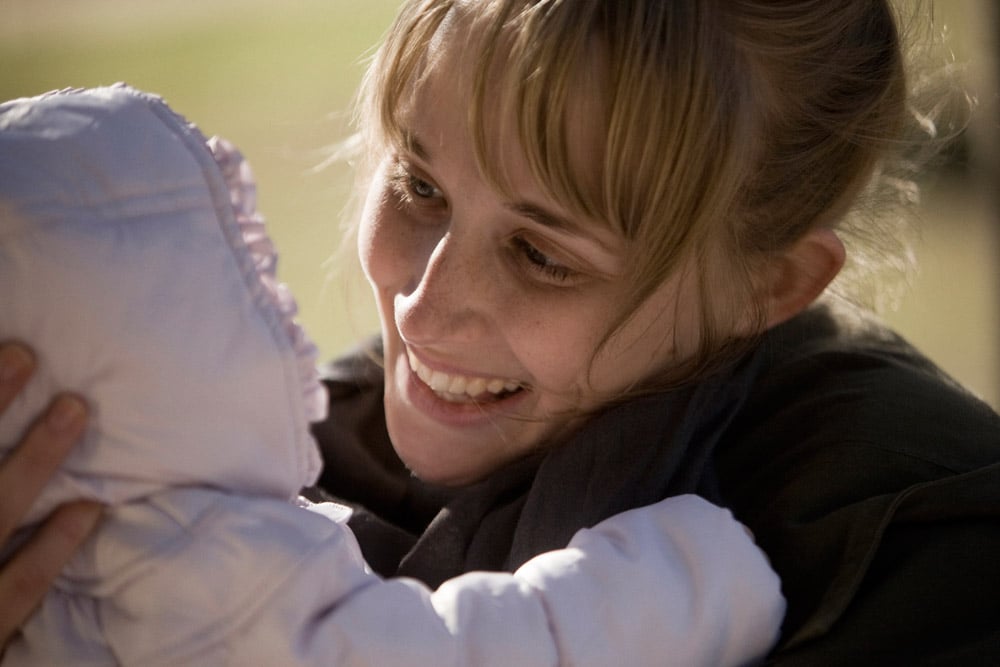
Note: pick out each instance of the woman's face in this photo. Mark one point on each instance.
(492, 306)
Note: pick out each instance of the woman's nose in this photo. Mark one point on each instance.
(449, 299)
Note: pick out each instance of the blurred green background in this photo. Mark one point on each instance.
(276, 78)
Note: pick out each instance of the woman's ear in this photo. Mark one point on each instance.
(801, 273)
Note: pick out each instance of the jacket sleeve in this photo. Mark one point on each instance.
(197, 577)
(677, 583)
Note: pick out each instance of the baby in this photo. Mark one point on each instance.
(134, 264)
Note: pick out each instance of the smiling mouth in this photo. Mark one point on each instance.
(462, 388)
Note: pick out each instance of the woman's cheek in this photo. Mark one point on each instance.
(395, 248)
(380, 247)
(367, 233)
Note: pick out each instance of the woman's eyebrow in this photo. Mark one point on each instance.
(542, 216)
(563, 225)
(412, 145)
(523, 208)
(526, 209)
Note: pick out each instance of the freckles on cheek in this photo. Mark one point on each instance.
(559, 358)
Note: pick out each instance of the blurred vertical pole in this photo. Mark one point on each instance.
(981, 29)
(988, 123)
(982, 26)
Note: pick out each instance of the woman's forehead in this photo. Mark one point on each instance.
(476, 78)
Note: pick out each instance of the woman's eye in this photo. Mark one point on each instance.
(421, 188)
(414, 191)
(538, 261)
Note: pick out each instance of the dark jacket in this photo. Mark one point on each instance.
(870, 479)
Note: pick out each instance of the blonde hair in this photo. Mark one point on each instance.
(728, 129)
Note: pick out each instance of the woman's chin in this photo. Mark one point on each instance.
(438, 469)
(440, 456)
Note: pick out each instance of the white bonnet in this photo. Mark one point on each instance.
(134, 264)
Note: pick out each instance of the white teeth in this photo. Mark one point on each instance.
(458, 388)
(422, 372)
(439, 381)
(475, 387)
(458, 385)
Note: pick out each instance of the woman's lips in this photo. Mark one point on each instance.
(460, 408)
(459, 388)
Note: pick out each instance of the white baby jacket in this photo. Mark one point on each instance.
(133, 263)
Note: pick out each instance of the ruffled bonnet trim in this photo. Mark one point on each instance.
(259, 262)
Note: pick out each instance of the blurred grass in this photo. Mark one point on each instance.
(277, 78)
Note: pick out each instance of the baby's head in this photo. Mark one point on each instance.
(134, 265)
(693, 159)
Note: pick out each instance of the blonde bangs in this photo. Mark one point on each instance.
(394, 74)
(678, 145)
(539, 69)
(536, 78)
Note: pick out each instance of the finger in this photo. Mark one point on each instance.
(28, 469)
(27, 577)
(16, 364)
